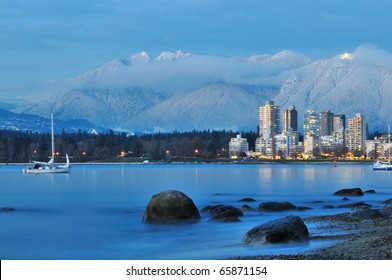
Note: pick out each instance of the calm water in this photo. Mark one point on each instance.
(96, 211)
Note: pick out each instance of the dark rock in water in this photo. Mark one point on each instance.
(223, 213)
(355, 204)
(287, 229)
(388, 201)
(170, 206)
(217, 209)
(7, 209)
(349, 192)
(345, 199)
(370, 191)
(246, 208)
(328, 206)
(303, 208)
(276, 206)
(226, 217)
(366, 214)
(318, 201)
(247, 199)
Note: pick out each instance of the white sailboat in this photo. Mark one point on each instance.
(49, 167)
(385, 165)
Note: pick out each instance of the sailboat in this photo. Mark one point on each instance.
(49, 167)
(385, 165)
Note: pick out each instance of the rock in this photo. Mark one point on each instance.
(303, 208)
(246, 208)
(7, 209)
(247, 199)
(370, 191)
(349, 192)
(170, 206)
(328, 206)
(287, 229)
(355, 204)
(388, 201)
(345, 199)
(276, 206)
(366, 214)
(223, 213)
(226, 217)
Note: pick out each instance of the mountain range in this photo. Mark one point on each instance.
(182, 91)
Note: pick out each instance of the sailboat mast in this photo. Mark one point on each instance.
(389, 141)
(52, 137)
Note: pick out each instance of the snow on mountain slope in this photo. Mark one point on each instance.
(342, 86)
(216, 106)
(286, 59)
(105, 107)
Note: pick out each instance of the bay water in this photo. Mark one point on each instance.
(96, 211)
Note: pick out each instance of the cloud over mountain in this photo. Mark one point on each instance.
(182, 91)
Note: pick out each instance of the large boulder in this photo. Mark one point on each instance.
(277, 206)
(287, 229)
(170, 206)
(349, 192)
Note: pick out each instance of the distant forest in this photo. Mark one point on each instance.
(22, 147)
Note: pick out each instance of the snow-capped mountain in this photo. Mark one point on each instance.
(182, 91)
(342, 86)
(210, 107)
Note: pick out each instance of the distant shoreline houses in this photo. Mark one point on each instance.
(325, 135)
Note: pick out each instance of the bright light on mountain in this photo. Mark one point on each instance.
(347, 55)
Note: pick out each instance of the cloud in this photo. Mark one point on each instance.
(372, 54)
(187, 74)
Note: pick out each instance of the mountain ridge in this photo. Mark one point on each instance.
(182, 91)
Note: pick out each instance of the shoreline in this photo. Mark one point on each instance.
(200, 161)
(366, 239)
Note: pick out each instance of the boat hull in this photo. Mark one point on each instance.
(383, 168)
(46, 170)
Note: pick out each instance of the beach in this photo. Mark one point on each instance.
(366, 239)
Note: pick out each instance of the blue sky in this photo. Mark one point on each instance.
(44, 40)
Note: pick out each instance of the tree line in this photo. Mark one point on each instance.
(17, 146)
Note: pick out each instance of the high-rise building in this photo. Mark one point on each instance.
(269, 120)
(326, 123)
(290, 120)
(311, 123)
(339, 130)
(356, 134)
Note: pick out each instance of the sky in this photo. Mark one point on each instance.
(48, 40)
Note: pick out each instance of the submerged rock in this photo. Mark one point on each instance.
(170, 206)
(328, 206)
(366, 214)
(246, 208)
(7, 209)
(247, 199)
(223, 213)
(277, 206)
(370, 191)
(287, 229)
(303, 208)
(355, 204)
(349, 192)
(388, 201)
